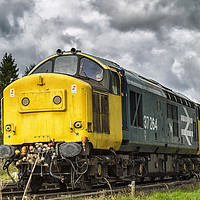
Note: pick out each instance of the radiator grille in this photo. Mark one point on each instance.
(104, 113)
(100, 113)
(96, 113)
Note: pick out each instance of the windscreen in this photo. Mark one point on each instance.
(44, 68)
(62, 64)
(66, 65)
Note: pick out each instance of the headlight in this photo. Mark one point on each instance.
(57, 100)
(25, 101)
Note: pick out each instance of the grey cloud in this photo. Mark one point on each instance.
(10, 14)
(70, 40)
(150, 16)
(187, 82)
(141, 35)
(191, 71)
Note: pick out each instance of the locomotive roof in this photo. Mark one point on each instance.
(152, 86)
(144, 83)
(137, 80)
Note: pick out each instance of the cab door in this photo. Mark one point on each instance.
(115, 109)
(107, 115)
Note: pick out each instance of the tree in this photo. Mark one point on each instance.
(8, 72)
(28, 69)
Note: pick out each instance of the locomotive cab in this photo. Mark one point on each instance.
(103, 106)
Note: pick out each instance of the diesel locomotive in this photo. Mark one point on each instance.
(67, 123)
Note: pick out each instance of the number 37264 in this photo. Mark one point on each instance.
(150, 123)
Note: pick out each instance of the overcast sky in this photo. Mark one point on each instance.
(158, 39)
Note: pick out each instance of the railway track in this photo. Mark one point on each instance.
(53, 192)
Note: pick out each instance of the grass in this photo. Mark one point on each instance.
(3, 173)
(4, 178)
(181, 194)
(186, 193)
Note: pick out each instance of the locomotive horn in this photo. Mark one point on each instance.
(73, 50)
(59, 52)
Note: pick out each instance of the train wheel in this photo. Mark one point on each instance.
(113, 184)
(152, 178)
(62, 186)
(36, 184)
(161, 178)
(142, 179)
(85, 183)
(194, 181)
(177, 178)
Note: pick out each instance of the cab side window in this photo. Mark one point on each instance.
(90, 69)
(136, 109)
(115, 84)
(172, 113)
